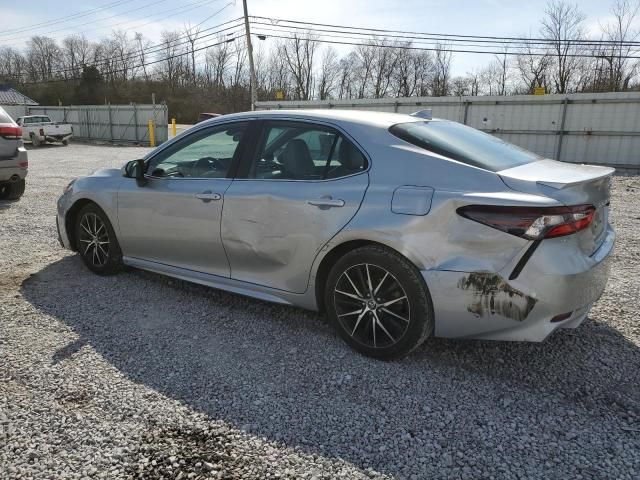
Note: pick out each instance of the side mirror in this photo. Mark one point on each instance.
(135, 169)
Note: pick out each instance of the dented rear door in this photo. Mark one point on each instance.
(272, 231)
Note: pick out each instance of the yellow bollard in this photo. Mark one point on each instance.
(173, 127)
(152, 136)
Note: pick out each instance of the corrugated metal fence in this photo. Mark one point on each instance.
(599, 128)
(112, 123)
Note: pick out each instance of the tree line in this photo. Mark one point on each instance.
(193, 74)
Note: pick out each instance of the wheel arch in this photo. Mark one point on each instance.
(332, 256)
(71, 217)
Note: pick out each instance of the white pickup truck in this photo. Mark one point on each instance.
(40, 129)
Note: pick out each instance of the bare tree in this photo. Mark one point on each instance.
(383, 66)
(329, 72)
(533, 68)
(217, 59)
(278, 76)
(442, 71)
(618, 69)
(43, 56)
(76, 52)
(12, 65)
(192, 36)
(239, 55)
(346, 76)
(562, 27)
(299, 52)
(473, 81)
(170, 59)
(142, 45)
(124, 56)
(364, 56)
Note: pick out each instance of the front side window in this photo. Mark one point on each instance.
(300, 151)
(204, 154)
(464, 144)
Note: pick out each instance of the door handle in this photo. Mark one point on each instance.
(208, 196)
(326, 202)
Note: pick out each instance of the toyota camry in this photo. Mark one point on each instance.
(398, 227)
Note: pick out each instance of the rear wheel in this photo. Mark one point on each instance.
(12, 190)
(96, 241)
(379, 302)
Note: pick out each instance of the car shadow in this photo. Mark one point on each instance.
(233, 358)
(7, 204)
(43, 146)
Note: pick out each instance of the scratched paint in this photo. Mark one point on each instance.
(491, 295)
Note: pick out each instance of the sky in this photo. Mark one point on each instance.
(151, 17)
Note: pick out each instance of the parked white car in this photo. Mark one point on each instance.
(40, 129)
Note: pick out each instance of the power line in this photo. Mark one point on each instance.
(441, 48)
(412, 38)
(449, 36)
(189, 7)
(66, 18)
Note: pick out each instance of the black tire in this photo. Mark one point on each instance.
(65, 142)
(12, 190)
(101, 258)
(401, 327)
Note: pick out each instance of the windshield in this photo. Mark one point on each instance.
(464, 144)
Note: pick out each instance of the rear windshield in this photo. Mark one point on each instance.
(464, 144)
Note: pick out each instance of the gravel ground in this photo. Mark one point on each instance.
(140, 376)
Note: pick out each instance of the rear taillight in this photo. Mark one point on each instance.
(532, 223)
(10, 132)
(42, 132)
(24, 164)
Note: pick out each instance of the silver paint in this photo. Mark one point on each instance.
(268, 238)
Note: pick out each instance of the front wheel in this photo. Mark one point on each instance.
(379, 302)
(65, 142)
(96, 241)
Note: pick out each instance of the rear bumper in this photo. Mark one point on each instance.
(58, 138)
(11, 169)
(488, 306)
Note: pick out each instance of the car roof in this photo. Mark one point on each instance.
(362, 117)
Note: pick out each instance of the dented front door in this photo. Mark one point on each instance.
(273, 229)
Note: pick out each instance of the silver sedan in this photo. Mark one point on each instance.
(398, 227)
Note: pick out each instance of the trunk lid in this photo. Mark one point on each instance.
(569, 184)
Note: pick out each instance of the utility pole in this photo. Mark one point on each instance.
(252, 69)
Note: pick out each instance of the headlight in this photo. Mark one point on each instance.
(68, 187)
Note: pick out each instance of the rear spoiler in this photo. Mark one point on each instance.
(427, 114)
(604, 172)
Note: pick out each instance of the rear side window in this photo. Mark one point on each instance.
(304, 151)
(464, 144)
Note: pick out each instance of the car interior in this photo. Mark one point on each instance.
(304, 154)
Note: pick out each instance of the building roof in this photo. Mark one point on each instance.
(10, 96)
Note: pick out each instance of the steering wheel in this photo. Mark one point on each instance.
(206, 164)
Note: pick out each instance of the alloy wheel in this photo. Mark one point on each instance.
(94, 240)
(371, 305)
